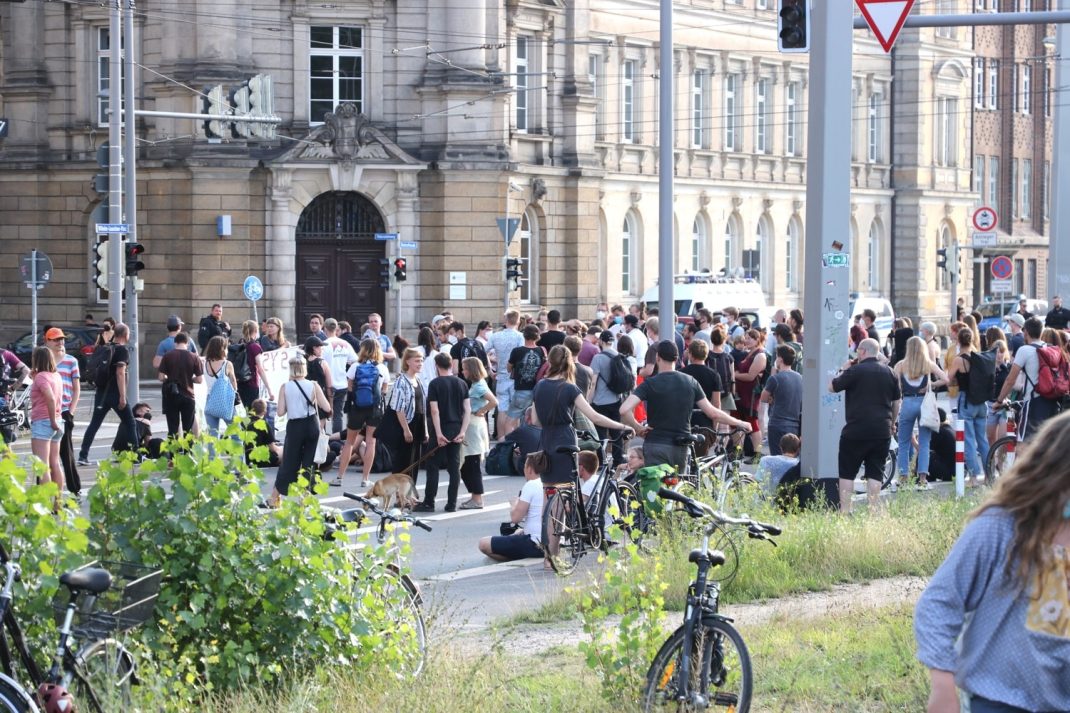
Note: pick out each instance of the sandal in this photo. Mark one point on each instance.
(471, 505)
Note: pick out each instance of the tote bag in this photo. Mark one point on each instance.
(220, 402)
(930, 414)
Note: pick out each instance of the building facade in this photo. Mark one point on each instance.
(435, 119)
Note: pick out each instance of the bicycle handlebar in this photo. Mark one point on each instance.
(698, 509)
(384, 515)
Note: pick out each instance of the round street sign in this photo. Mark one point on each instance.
(984, 219)
(44, 270)
(253, 288)
(1002, 268)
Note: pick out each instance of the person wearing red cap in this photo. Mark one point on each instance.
(67, 367)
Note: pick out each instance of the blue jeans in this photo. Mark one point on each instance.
(974, 416)
(909, 414)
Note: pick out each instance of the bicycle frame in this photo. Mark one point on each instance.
(700, 607)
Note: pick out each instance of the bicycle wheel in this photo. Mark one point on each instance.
(889, 469)
(407, 624)
(719, 676)
(103, 672)
(1000, 458)
(562, 532)
(13, 699)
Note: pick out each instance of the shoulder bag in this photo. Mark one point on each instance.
(220, 403)
(930, 413)
(323, 445)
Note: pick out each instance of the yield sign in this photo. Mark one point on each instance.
(885, 18)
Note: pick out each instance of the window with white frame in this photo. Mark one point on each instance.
(594, 76)
(762, 4)
(946, 7)
(731, 240)
(993, 83)
(731, 112)
(629, 240)
(698, 108)
(1027, 88)
(699, 242)
(791, 247)
(528, 239)
(104, 76)
(791, 119)
(1014, 188)
(873, 267)
(1027, 188)
(978, 82)
(993, 183)
(1015, 89)
(873, 128)
(522, 70)
(979, 178)
(336, 69)
(627, 101)
(761, 116)
(763, 238)
(946, 135)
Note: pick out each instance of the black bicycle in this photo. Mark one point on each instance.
(704, 664)
(89, 666)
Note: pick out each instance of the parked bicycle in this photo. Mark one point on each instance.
(90, 666)
(704, 664)
(407, 622)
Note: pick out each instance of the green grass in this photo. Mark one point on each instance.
(843, 661)
(817, 550)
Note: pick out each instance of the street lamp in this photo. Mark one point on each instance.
(511, 187)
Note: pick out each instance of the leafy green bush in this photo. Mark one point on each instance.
(46, 544)
(248, 594)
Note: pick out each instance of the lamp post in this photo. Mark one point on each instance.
(511, 187)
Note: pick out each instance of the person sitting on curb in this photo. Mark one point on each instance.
(526, 512)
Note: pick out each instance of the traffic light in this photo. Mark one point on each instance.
(100, 264)
(400, 266)
(384, 273)
(133, 258)
(793, 26)
(514, 273)
(941, 258)
(215, 101)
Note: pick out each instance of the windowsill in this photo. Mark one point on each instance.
(536, 136)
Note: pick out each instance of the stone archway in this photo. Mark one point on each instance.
(338, 259)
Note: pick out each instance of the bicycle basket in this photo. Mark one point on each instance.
(127, 604)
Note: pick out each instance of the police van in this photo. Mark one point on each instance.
(695, 291)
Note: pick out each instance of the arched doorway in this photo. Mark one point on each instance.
(338, 259)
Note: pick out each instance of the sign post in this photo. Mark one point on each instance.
(36, 270)
(254, 290)
(1002, 269)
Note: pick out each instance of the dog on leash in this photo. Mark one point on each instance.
(396, 489)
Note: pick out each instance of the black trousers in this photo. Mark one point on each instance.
(107, 399)
(472, 474)
(409, 453)
(448, 457)
(66, 455)
(611, 411)
(179, 411)
(298, 452)
(248, 393)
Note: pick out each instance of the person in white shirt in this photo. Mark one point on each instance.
(639, 341)
(526, 512)
(340, 355)
(500, 345)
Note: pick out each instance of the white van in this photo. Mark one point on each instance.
(692, 292)
(881, 307)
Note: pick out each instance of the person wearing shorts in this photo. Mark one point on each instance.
(526, 511)
(46, 394)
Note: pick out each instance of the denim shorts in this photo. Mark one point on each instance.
(995, 418)
(519, 403)
(41, 430)
(504, 390)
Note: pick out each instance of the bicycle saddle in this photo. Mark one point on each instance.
(90, 579)
(570, 449)
(715, 557)
(696, 438)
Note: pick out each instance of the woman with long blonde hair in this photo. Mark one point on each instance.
(917, 375)
(994, 621)
(476, 439)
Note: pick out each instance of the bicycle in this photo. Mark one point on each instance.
(100, 670)
(408, 622)
(1000, 456)
(704, 663)
(571, 526)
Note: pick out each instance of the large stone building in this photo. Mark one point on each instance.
(433, 119)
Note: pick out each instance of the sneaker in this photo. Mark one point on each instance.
(450, 507)
(424, 507)
(336, 483)
(85, 461)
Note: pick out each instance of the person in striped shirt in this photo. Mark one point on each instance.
(67, 366)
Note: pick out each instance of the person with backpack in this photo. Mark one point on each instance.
(613, 380)
(300, 401)
(368, 379)
(465, 347)
(248, 371)
(722, 362)
(107, 368)
(1047, 379)
(525, 362)
(179, 370)
(975, 371)
(212, 325)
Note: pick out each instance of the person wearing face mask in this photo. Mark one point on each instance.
(145, 439)
(617, 315)
(601, 311)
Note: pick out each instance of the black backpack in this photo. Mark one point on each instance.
(982, 377)
(238, 356)
(722, 364)
(621, 379)
(99, 365)
(999, 378)
(472, 348)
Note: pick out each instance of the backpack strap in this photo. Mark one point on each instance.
(307, 400)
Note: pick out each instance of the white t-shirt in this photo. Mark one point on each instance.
(339, 355)
(639, 343)
(384, 374)
(532, 494)
(1027, 361)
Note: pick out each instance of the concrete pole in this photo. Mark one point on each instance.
(505, 260)
(828, 210)
(33, 298)
(665, 168)
(115, 170)
(1059, 232)
(130, 191)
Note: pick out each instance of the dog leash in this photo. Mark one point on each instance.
(420, 462)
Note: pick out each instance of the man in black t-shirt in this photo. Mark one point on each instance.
(553, 335)
(179, 370)
(466, 347)
(524, 365)
(450, 410)
(873, 398)
(669, 397)
(1059, 316)
(112, 397)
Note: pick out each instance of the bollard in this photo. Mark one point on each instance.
(960, 457)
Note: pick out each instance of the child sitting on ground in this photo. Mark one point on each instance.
(772, 468)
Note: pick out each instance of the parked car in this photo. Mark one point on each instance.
(80, 342)
(994, 313)
(694, 291)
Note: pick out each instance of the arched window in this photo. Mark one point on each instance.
(873, 258)
(629, 246)
(528, 235)
(731, 243)
(700, 258)
(759, 268)
(792, 245)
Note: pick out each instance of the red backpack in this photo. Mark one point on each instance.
(1053, 373)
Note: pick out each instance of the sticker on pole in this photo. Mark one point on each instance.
(985, 218)
(885, 18)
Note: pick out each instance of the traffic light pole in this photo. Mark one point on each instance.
(133, 392)
(115, 170)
